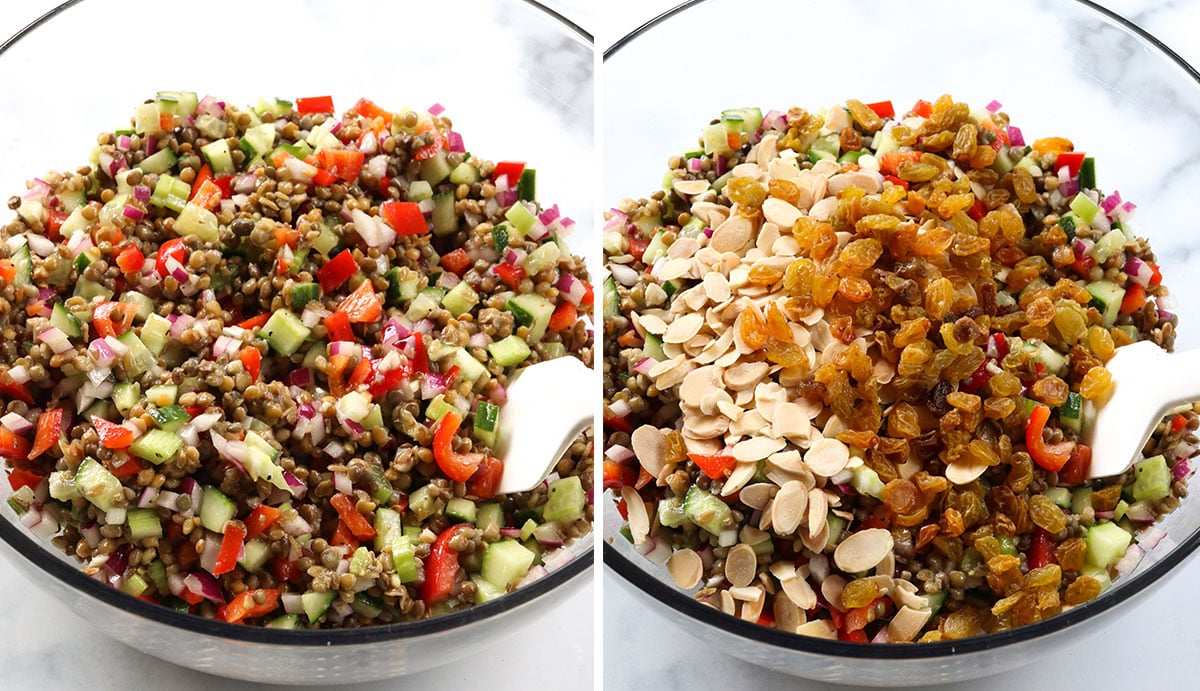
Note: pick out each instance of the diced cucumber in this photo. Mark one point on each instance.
(443, 218)
(158, 162)
(534, 311)
(464, 174)
(421, 503)
(527, 529)
(670, 512)
(366, 606)
(865, 480)
(1106, 544)
(836, 525)
(170, 418)
(460, 299)
(198, 221)
(381, 487)
(1051, 359)
(315, 604)
(134, 584)
(1070, 222)
(1070, 413)
(505, 562)
(216, 509)
(461, 509)
(285, 621)
(156, 446)
(84, 288)
(935, 600)
(154, 333)
(23, 262)
(158, 574)
(1106, 297)
(1083, 205)
(1060, 496)
(653, 347)
(436, 169)
(181, 103)
(527, 185)
(257, 552)
(546, 256)
(162, 395)
(257, 141)
(219, 157)
(468, 367)
(284, 332)
(419, 191)
(485, 591)
(825, 148)
(1110, 245)
(1087, 174)
(484, 429)
(144, 304)
(171, 192)
(401, 289)
(1153, 479)
(143, 523)
(521, 218)
(425, 302)
(305, 293)
(509, 351)
(748, 120)
(97, 485)
(716, 141)
(1120, 510)
(1081, 500)
(438, 408)
(489, 513)
(139, 359)
(565, 501)
(125, 395)
(390, 536)
(65, 321)
(62, 486)
(706, 510)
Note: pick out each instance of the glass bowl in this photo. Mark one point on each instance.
(516, 78)
(1116, 91)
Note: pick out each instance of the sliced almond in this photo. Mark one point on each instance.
(686, 568)
(827, 457)
(674, 374)
(699, 383)
(815, 541)
(749, 423)
(757, 495)
(904, 593)
(732, 235)
(716, 287)
(788, 617)
(702, 447)
(664, 366)
(965, 472)
(782, 570)
(715, 349)
(741, 474)
(710, 403)
(649, 445)
(693, 298)
(785, 246)
(818, 511)
(787, 509)
(855, 178)
(800, 592)
(745, 398)
(823, 209)
(730, 410)
(780, 212)
(752, 608)
(683, 328)
(691, 187)
(728, 604)
(746, 375)
(789, 461)
(756, 448)
(818, 628)
(863, 550)
(790, 421)
(706, 426)
(767, 150)
(887, 567)
(671, 269)
(768, 395)
(831, 590)
(783, 169)
(741, 565)
(652, 323)
(639, 520)
(712, 214)
(907, 623)
(884, 370)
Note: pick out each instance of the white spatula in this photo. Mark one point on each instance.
(1149, 382)
(548, 405)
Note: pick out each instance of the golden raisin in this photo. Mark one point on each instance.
(746, 191)
(861, 592)
(903, 421)
(863, 116)
(1081, 590)
(859, 255)
(1040, 312)
(1101, 343)
(763, 275)
(753, 329)
(1070, 553)
(964, 141)
(962, 623)
(1046, 514)
(939, 298)
(1047, 576)
(858, 438)
(777, 324)
(1023, 185)
(675, 451)
(797, 279)
(1051, 390)
(954, 203)
(998, 408)
(901, 496)
(787, 354)
(988, 546)
(932, 242)
(854, 289)
(1097, 385)
(916, 171)
(824, 287)
(1056, 145)
(910, 332)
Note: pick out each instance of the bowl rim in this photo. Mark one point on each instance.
(53, 566)
(690, 607)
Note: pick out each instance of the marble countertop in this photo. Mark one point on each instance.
(46, 646)
(650, 652)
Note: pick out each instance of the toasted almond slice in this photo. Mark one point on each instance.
(818, 628)
(887, 567)
(823, 209)
(730, 410)
(757, 495)
(732, 235)
(831, 589)
(964, 472)
(764, 521)
(767, 150)
(788, 617)
(672, 269)
(785, 246)
(683, 248)
(789, 461)
(696, 344)
(683, 328)
(742, 473)
(739, 276)
(768, 395)
(833, 427)
(652, 323)
(863, 550)
(787, 509)
(664, 366)
(672, 350)
(752, 536)
(706, 426)
(728, 605)
(790, 377)
(907, 623)
(716, 286)
(702, 447)
(741, 565)
(716, 348)
(783, 570)
(767, 235)
(799, 591)
(791, 421)
(756, 448)
(686, 568)
(699, 383)
(884, 370)
(904, 594)
(783, 169)
(649, 445)
(639, 520)
(674, 375)
(752, 609)
(816, 542)
(801, 336)
(746, 375)
(710, 403)
(856, 178)
(691, 187)
(818, 511)
(744, 397)
(780, 212)
(712, 214)
(693, 298)
(815, 318)
(827, 457)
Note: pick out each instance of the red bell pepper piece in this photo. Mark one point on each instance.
(112, 435)
(1083, 264)
(617, 475)
(251, 360)
(511, 274)
(644, 477)
(49, 431)
(509, 169)
(207, 195)
(883, 109)
(244, 606)
(363, 305)
(171, 249)
(131, 260)
(231, 546)
(456, 466)
(336, 271)
(260, 520)
(343, 536)
(431, 150)
(7, 271)
(363, 373)
(1041, 549)
(390, 379)
(370, 110)
(617, 423)
(204, 175)
(404, 217)
(1155, 275)
(338, 326)
(123, 465)
(346, 509)
(1178, 423)
(978, 210)
(486, 480)
(564, 317)
(283, 569)
(856, 636)
(1135, 298)
(890, 162)
(54, 221)
(225, 184)
(441, 568)
(19, 477)
(1072, 160)
(1076, 471)
(457, 261)
(306, 105)
(420, 357)
(589, 296)
(254, 322)
(716, 467)
(342, 163)
(1052, 457)
(113, 318)
(637, 247)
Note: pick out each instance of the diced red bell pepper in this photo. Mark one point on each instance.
(404, 217)
(978, 210)
(564, 317)
(637, 246)
(1178, 423)
(363, 305)
(131, 260)
(343, 163)
(486, 480)
(245, 606)
(368, 109)
(336, 271)
(1083, 264)
(1041, 549)
(715, 467)
(456, 466)
(430, 150)
(254, 322)
(7, 271)
(999, 342)
(19, 477)
(890, 162)
(857, 618)
(337, 374)
(456, 261)
(899, 182)
(338, 326)
(343, 536)
(883, 109)
(251, 360)
(420, 357)
(509, 169)
(348, 511)
(231, 546)
(190, 597)
(202, 176)
(225, 184)
(207, 195)
(307, 105)
(441, 568)
(733, 140)
(123, 465)
(323, 178)
(644, 478)
(589, 295)
(49, 431)
(617, 475)
(1135, 298)
(172, 249)
(1155, 274)
(283, 568)
(1072, 160)
(1052, 457)
(617, 423)
(363, 373)
(512, 274)
(978, 378)
(113, 318)
(112, 435)
(857, 636)
(260, 520)
(1078, 467)
(390, 379)
(13, 447)
(54, 221)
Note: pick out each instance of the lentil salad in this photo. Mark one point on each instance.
(254, 359)
(848, 356)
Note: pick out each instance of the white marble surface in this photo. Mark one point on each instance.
(46, 646)
(1154, 646)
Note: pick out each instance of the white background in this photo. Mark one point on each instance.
(45, 646)
(1154, 646)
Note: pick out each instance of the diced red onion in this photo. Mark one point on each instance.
(301, 376)
(1179, 471)
(98, 375)
(301, 171)
(141, 193)
(133, 213)
(292, 603)
(395, 330)
(336, 127)
(118, 561)
(19, 374)
(91, 533)
(369, 143)
(79, 242)
(572, 288)
(151, 145)
(645, 365)
(454, 142)
(204, 584)
(432, 384)
(115, 516)
(344, 348)
(167, 499)
(54, 337)
(618, 453)
(479, 340)
(547, 534)
(182, 323)
(510, 532)
(1111, 202)
(1069, 188)
(424, 326)
(377, 166)
(306, 410)
(311, 316)
(1015, 138)
(1139, 271)
(1139, 512)
(38, 189)
(499, 394)
(296, 486)
(1151, 536)
(41, 245)
(335, 450)
(148, 496)
(15, 423)
(620, 408)
(1167, 302)
(993, 107)
(101, 352)
(1133, 557)
(721, 166)
(224, 345)
(341, 483)
(436, 109)
(32, 517)
(549, 215)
